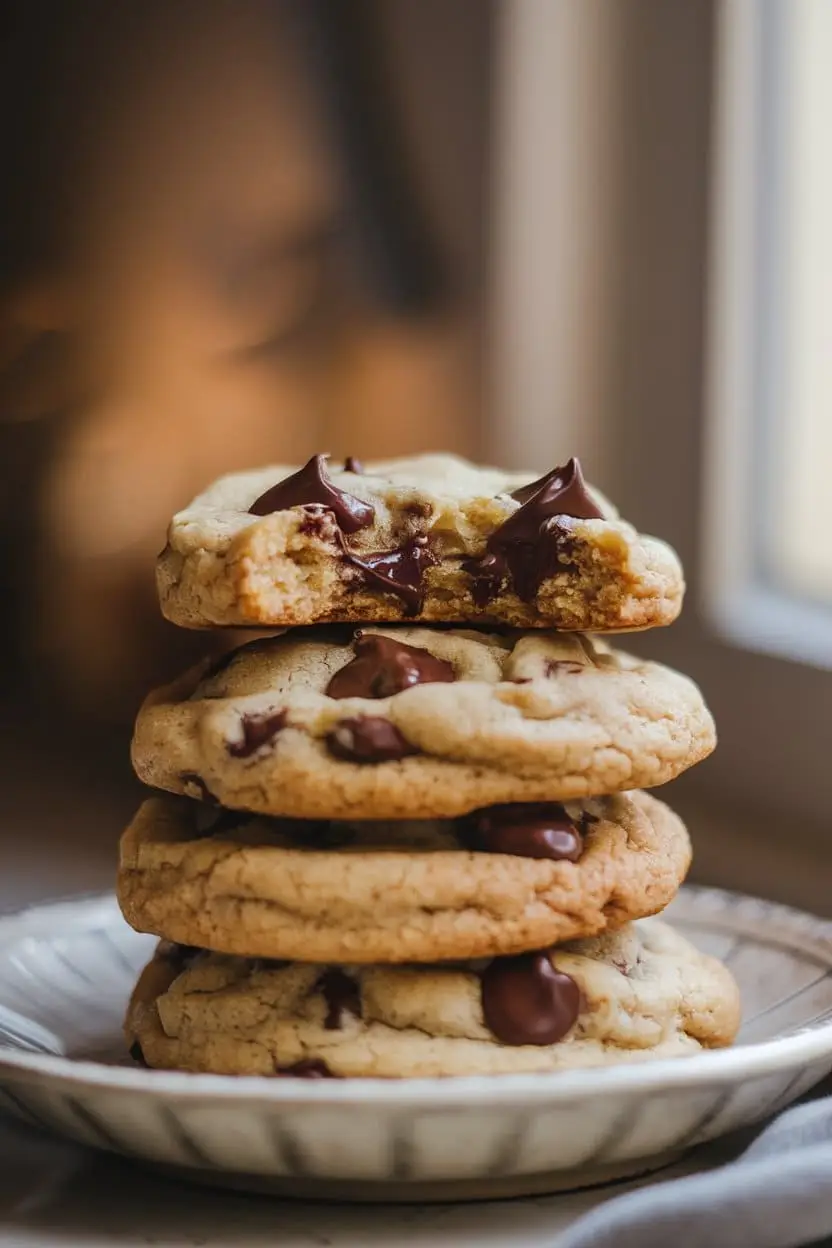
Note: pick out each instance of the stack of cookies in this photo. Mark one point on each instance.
(415, 848)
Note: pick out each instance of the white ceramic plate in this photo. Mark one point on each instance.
(66, 971)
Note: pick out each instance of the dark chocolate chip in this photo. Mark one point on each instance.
(137, 1054)
(525, 829)
(311, 484)
(341, 995)
(368, 739)
(190, 777)
(351, 464)
(535, 541)
(400, 571)
(525, 1000)
(383, 666)
(307, 1068)
(257, 731)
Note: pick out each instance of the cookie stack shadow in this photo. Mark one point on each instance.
(408, 835)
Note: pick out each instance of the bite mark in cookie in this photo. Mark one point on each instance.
(428, 536)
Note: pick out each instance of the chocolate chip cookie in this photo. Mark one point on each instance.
(430, 538)
(638, 993)
(418, 723)
(501, 880)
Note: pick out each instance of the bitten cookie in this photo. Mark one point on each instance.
(431, 537)
(418, 723)
(505, 879)
(641, 992)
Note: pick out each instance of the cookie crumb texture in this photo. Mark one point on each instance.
(391, 892)
(431, 537)
(535, 716)
(639, 993)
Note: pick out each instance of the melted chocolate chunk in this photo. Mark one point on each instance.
(351, 464)
(137, 1054)
(311, 484)
(368, 739)
(257, 730)
(526, 1001)
(382, 667)
(534, 542)
(525, 829)
(307, 1068)
(341, 996)
(399, 571)
(561, 492)
(190, 777)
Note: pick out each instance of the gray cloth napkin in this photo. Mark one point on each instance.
(777, 1194)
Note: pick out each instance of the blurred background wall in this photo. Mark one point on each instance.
(235, 232)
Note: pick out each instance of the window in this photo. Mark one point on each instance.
(768, 553)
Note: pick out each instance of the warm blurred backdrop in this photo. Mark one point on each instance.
(239, 232)
(235, 231)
